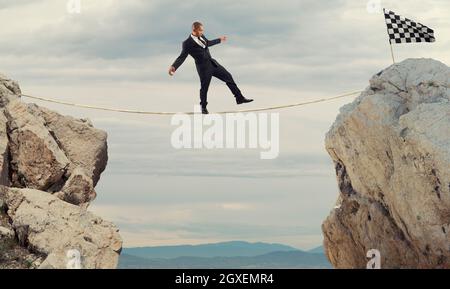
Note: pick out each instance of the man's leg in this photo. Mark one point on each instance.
(221, 73)
(205, 80)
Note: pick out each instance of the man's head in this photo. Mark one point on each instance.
(197, 29)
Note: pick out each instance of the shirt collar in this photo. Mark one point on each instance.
(197, 40)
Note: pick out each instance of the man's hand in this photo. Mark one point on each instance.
(171, 70)
(223, 39)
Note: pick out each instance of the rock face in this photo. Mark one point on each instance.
(49, 166)
(54, 227)
(391, 150)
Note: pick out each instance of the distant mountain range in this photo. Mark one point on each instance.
(224, 249)
(317, 250)
(226, 255)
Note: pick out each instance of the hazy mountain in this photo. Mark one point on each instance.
(317, 250)
(273, 260)
(224, 249)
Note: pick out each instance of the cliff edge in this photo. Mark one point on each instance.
(49, 166)
(391, 150)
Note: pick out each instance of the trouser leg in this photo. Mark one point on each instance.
(205, 80)
(221, 73)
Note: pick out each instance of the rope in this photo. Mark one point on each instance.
(190, 113)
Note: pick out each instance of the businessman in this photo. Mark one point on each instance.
(197, 46)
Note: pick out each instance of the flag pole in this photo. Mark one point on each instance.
(392, 52)
(390, 43)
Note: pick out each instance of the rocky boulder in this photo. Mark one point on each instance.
(54, 228)
(49, 167)
(43, 150)
(391, 150)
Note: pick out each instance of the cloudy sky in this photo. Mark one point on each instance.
(116, 53)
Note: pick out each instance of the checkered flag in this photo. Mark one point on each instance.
(403, 30)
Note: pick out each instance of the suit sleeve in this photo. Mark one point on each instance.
(181, 58)
(212, 42)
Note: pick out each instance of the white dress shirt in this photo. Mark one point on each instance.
(198, 41)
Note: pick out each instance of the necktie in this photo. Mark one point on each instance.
(201, 40)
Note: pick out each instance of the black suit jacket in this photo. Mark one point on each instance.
(201, 55)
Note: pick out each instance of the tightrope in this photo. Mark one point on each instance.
(190, 113)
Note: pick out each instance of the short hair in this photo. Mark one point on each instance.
(196, 25)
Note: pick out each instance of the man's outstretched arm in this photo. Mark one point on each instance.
(179, 61)
(215, 41)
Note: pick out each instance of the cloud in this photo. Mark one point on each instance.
(136, 40)
(155, 225)
(236, 206)
(4, 4)
(199, 209)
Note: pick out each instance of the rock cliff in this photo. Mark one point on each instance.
(391, 150)
(49, 166)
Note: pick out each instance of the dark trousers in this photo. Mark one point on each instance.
(215, 69)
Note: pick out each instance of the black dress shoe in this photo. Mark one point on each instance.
(242, 99)
(204, 110)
